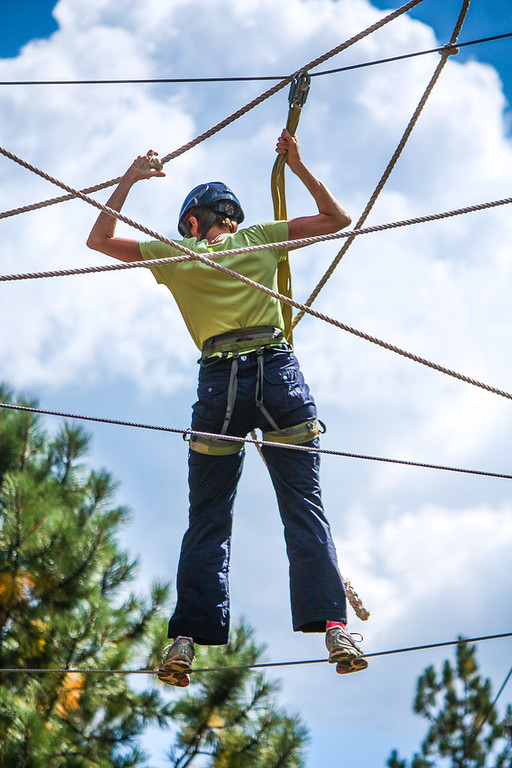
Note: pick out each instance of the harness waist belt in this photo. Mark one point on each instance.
(242, 340)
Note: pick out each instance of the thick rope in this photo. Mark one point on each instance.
(232, 438)
(263, 665)
(355, 601)
(189, 255)
(445, 54)
(231, 118)
(304, 241)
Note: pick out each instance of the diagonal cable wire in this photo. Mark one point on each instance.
(239, 113)
(477, 731)
(446, 52)
(262, 665)
(404, 56)
(251, 78)
(231, 438)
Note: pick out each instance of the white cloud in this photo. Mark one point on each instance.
(409, 539)
(429, 559)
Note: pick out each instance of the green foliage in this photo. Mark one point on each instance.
(64, 604)
(465, 731)
(230, 717)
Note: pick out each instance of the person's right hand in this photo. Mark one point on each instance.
(145, 167)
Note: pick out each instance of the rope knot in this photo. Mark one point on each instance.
(449, 50)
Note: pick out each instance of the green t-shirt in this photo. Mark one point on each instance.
(211, 302)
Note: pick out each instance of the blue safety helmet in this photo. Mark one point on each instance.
(214, 195)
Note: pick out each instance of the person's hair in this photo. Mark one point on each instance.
(202, 214)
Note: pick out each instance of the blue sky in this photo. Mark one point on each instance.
(24, 21)
(484, 19)
(29, 19)
(428, 552)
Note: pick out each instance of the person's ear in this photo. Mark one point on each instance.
(193, 226)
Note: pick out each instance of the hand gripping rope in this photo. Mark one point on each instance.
(299, 90)
(228, 120)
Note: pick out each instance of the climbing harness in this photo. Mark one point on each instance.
(230, 346)
(217, 446)
(213, 446)
(299, 90)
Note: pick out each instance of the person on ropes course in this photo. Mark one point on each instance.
(249, 378)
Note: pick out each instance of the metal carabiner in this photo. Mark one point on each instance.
(299, 89)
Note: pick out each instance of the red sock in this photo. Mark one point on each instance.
(330, 624)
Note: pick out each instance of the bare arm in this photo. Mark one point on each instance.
(331, 216)
(102, 237)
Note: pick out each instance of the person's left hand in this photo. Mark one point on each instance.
(288, 144)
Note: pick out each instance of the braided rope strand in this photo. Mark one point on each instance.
(445, 54)
(231, 118)
(188, 255)
(304, 241)
(356, 602)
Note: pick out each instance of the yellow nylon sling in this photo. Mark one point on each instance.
(297, 98)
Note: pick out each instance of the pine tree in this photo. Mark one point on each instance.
(465, 731)
(64, 604)
(230, 718)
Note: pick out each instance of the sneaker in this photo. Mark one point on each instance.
(177, 662)
(343, 651)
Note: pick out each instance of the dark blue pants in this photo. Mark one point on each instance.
(316, 589)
